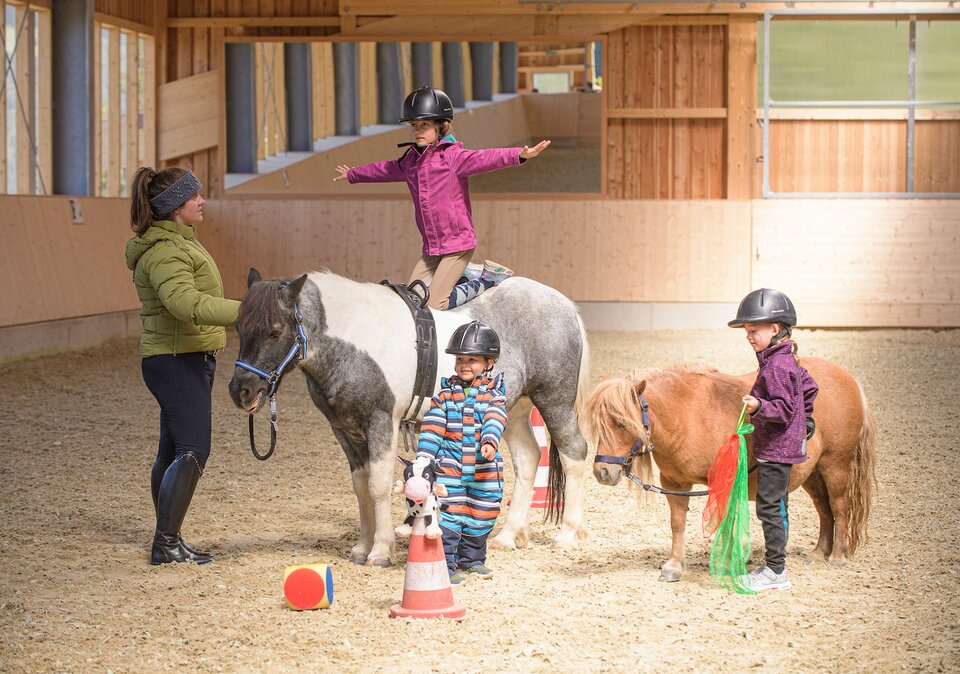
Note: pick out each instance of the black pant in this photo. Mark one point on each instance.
(182, 384)
(772, 482)
(463, 551)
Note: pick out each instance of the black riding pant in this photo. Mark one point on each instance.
(772, 490)
(182, 385)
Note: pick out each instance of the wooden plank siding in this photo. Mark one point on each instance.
(666, 67)
(838, 156)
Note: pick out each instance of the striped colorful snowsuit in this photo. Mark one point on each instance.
(454, 428)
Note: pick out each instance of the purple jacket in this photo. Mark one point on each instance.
(786, 392)
(437, 180)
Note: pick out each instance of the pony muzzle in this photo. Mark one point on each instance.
(607, 473)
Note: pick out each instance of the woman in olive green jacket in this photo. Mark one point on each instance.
(184, 315)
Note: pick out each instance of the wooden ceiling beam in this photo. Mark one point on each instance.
(421, 8)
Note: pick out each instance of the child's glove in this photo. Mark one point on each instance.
(811, 427)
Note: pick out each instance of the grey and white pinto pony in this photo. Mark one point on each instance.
(360, 368)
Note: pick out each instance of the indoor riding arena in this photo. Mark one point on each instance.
(699, 151)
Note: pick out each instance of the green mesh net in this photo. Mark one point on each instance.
(727, 514)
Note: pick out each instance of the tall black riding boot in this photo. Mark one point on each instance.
(156, 479)
(173, 501)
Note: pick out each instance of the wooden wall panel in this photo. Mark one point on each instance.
(141, 11)
(661, 251)
(188, 117)
(742, 170)
(367, 72)
(937, 156)
(838, 156)
(861, 262)
(55, 269)
(566, 119)
(324, 108)
(843, 262)
(664, 68)
(667, 159)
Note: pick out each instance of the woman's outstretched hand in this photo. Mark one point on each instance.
(342, 170)
(531, 152)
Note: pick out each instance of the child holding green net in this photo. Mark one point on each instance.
(781, 408)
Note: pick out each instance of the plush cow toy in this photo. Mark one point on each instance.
(419, 486)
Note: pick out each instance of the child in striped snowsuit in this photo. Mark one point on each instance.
(462, 431)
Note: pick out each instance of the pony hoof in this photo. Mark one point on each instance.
(502, 542)
(816, 556)
(566, 541)
(669, 576)
(358, 556)
(382, 562)
(837, 561)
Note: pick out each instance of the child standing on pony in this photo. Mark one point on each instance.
(461, 432)
(436, 167)
(781, 405)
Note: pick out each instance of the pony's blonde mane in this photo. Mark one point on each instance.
(613, 409)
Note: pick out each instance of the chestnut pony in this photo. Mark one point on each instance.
(691, 415)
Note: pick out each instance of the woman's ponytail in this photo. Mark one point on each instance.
(141, 216)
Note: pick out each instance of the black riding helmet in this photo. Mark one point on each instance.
(474, 339)
(765, 305)
(427, 103)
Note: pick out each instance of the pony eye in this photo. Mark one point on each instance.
(621, 426)
(274, 334)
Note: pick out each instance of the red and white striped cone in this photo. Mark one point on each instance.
(542, 480)
(426, 584)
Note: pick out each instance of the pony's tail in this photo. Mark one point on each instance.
(557, 481)
(556, 484)
(863, 479)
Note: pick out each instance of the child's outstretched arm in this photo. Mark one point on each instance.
(377, 172)
(472, 162)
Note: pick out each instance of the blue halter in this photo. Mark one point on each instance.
(643, 445)
(297, 352)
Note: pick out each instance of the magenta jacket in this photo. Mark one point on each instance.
(437, 180)
(786, 393)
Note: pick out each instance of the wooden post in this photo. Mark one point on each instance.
(113, 114)
(741, 164)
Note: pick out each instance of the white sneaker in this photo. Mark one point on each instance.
(495, 272)
(766, 579)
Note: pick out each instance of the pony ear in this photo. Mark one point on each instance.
(640, 386)
(291, 291)
(253, 277)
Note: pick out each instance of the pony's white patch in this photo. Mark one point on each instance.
(372, 318)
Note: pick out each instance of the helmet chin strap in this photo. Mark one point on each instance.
(785, 333)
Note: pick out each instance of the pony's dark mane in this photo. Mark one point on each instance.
(261, 303)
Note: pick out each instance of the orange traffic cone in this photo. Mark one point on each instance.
(542, 480)
(426, 584)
